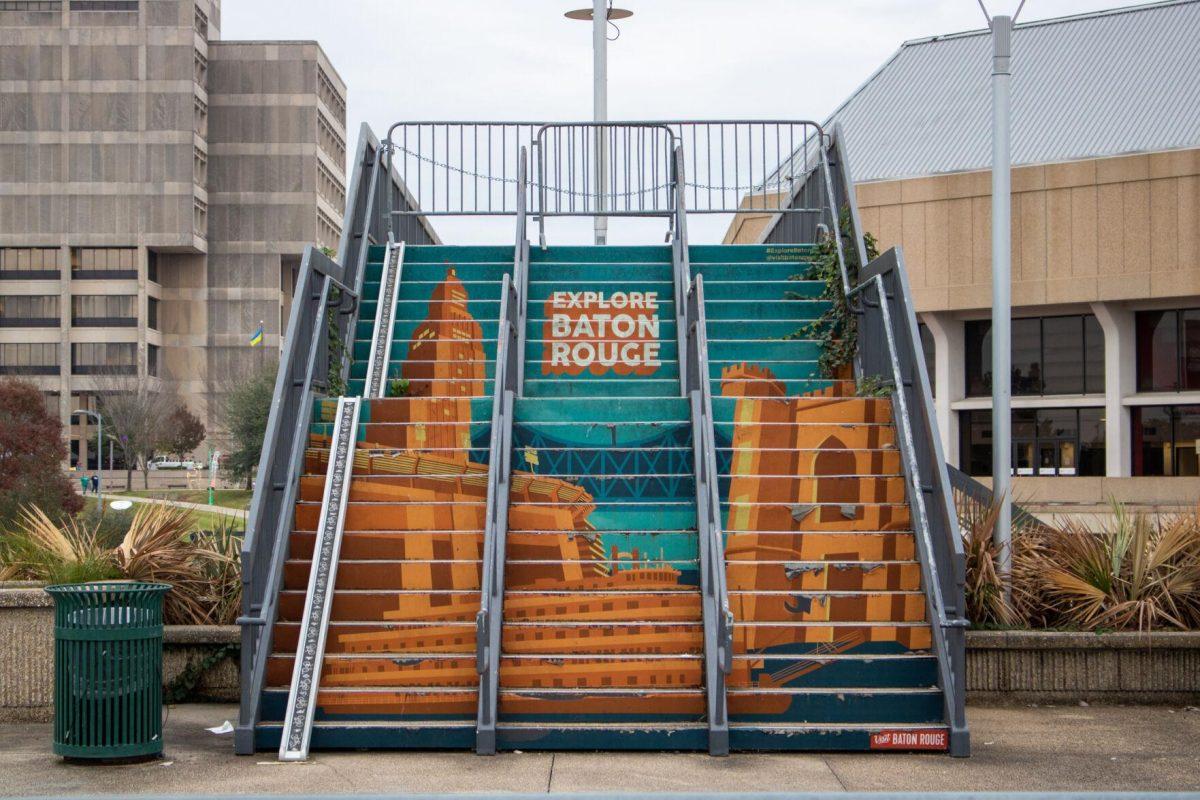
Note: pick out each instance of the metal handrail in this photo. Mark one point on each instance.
(694, 385)
(682, 272)
(304, 370)
(718, 618)
(508, 373)
(940, 579)
(491, 590)
(521, 267)
(279, 469)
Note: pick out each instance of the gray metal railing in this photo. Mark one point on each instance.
(303, 376)
(695, 386)
(521, 268)
(489, 619)
(894, 354)
(604, 169)
(718, 619)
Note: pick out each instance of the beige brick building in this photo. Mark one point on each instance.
(157, 187)
(1105, 242)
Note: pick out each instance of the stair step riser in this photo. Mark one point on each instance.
(522, 517)
(750, 253)
(740, 547)
(801, 311)
(635, 704)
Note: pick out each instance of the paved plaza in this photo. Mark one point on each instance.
(1096, 748)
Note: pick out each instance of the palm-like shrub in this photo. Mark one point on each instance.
(1144, 573)
(41, 549)
(162, 544)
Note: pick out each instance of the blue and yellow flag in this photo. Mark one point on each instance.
(256, 338)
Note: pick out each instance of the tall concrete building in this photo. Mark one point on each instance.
(157, 188)
(1105, 242)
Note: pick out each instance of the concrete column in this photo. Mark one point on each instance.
(1120, 380)
(949, 377)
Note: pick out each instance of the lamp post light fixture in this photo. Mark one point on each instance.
(99, 452)
(1001, 26)
(600, 15)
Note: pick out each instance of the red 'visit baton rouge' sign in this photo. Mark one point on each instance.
(909, 740)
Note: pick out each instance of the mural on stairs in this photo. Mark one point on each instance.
(602, 612)
(802, 531)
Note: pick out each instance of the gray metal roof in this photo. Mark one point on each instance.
(1101, 84)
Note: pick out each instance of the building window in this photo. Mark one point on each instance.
(329, 141)
(104, 5)
(1168, 350)
(201, 23)
(104, 262)
(328, 233)
(29, 358)
(104, 358)
(330, 96)
(929, 350)
(199, 217)
(152, 313)
(152, 360)
(1050, 355)
(329, 187)
(1166, 440)
(29, 311)
(200, 111)
(152, 265)
(29, 263)
(31, 5)
(104, 311)
(1045, 441)
(200, 70)
(200, 167)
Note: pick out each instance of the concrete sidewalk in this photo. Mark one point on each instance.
(1145, 748)
(236, 513)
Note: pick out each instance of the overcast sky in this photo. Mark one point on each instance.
(675, 59)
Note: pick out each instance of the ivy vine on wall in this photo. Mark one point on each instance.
(836, 329)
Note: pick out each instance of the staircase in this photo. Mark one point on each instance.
(831, 643)
(400, 648)
(602, 646)
(600, 498)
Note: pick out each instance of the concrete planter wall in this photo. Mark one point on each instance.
(1049, 666)
(1002, 666)
(27, 656)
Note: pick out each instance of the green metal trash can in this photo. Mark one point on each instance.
(108, 669)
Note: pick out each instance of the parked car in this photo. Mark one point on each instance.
(171, 462)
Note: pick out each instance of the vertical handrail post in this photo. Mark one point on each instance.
(490, 617)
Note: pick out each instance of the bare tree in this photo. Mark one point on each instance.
(138, 417)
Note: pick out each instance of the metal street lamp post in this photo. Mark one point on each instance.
(99, 452)
(1001, 26)
(600, 14)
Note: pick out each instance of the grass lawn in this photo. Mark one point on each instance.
(205, 520)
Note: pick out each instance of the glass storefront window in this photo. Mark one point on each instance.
(1168, 350)
(1045, 441)
(1190, 333)
(1050, 355)
(1166, 440)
